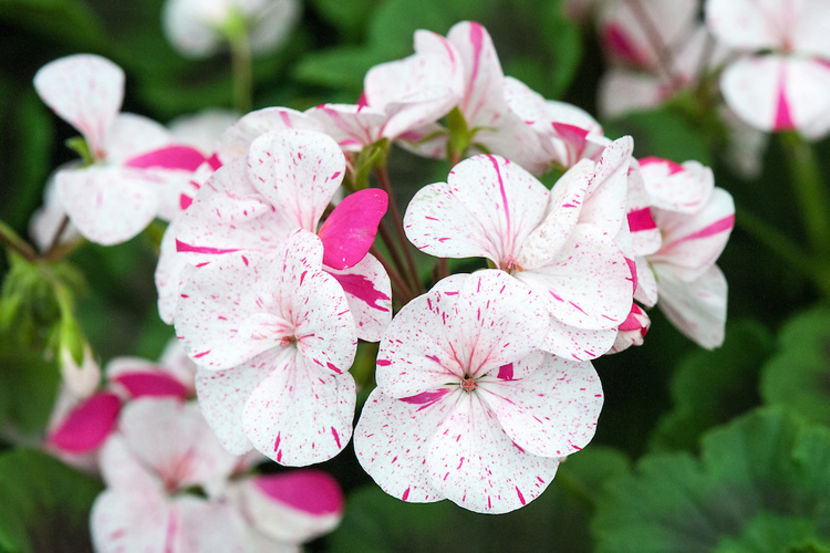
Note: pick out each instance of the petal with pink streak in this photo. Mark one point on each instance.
(588, 285)
(171, 438)
(486, 209)
(392, 439)
(682, 187)
(475, 464)
(294, 506)
(692, 243)
(551, 412)
(132, 521)
(301, 414)
(222, 396)
(607, 191)
(696, 308)
(644, 236)
(107, 204)
(299, 171)
(351, 126)
(751, 25)
(88, 425)
(236, 140)
(131, 135)
(349, 231)
(369, 295)
(482, 103)
(86, 91)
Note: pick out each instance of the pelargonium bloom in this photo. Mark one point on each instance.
(468, 407)
(137, 172)
(560, 243)
(787, 88)
(274, 339)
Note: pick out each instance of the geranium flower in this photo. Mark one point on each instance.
(562, 244)
(786, 88)
(467, 406)
(274, 339)
(136, 172)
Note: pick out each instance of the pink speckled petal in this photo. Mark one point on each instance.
(551, 412)
(294, 506)
(236, 140)
(604, 205)
(369, 294)
(350, 229)
(86, 91)
(682, 187)
(297, 170)
(697, 308)
(692, 243)
(107, 204)
(134, 521)
(486, 209)
(88, 425)
(477, 466)
(168, 275)
(392, 438)
(301, 414)
(171, 438)
(351, 126)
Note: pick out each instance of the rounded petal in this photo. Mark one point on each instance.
(697, 308)
(237, 139)
(202, 130)
(131, 135)
(752, 24)
(188, 30)
(86, 91)
(477, 466)
(130, 522)
(392, 438)
(682, 187)
(350, 229)
(576, 343)
(203, 525)
(551, 412)
(107, 204)
(300, 414)
(483, 102)
(87, 426)
(369, 295)
(297, 170)
(486, 209)
(121, 469)
(273, 25)
(351, 126)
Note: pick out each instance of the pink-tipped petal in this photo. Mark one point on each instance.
(349, 231)
(86, 91)
(88, 425)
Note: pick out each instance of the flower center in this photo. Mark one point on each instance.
(469, 383)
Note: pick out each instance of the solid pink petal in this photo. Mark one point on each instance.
(551, 412)
(236, 140)
(350, 229)
(135, 521)
(294, 506)
(88, 425)
(477, 466)
(179, 157)
(392, 438)
(86, 91)
(752, 24)
(171, 438)
(131, 135)
(696, 308)
(107, 204)
(299, 171)
(588, 285)
(682, 187)
(368, 292)
(222, 396)
(150, 384)
(486, 209)
(351, 126)
(301, 414)
(692, 242)
(483, 102)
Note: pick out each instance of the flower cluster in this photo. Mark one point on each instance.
(270, 275)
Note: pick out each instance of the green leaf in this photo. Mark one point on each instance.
(70, 21)
(343, 66)
(798, 376)
(768, 533)
(45, 507)
(662, 133)
(349, 17)
(28, 387)
(711, 387)
(764, 474)
(376, 522)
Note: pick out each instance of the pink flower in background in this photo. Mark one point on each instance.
(785, 89)
(561, 244)
(137, 172)
(467, 406)
(274, 339)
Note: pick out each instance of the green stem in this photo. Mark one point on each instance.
(13, 242)
(810, 191)
(237, 35)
